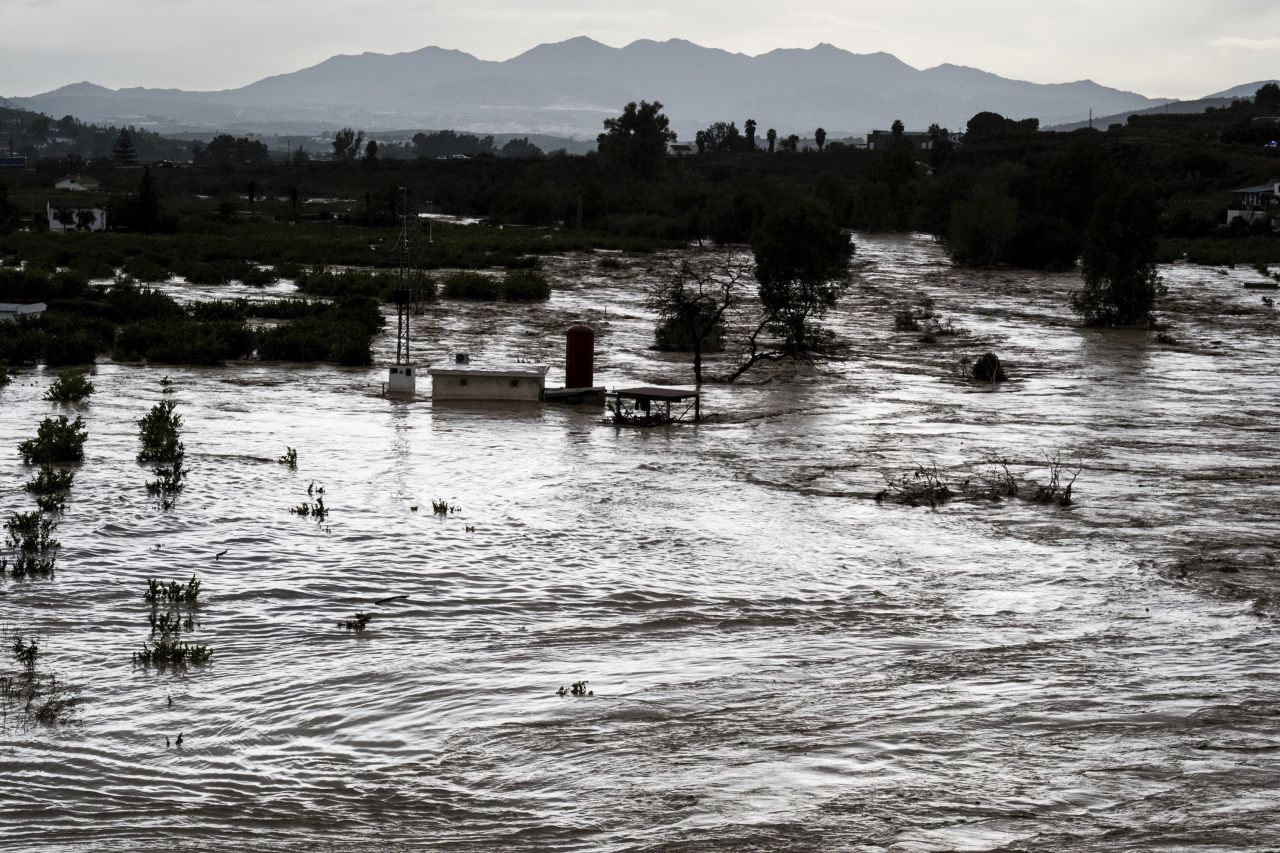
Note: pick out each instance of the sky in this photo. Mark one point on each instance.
(1159, 48)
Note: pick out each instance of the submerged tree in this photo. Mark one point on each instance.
(691, 303)
(1118, 261)
(802, 266)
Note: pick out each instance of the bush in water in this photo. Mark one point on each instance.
(57, 440)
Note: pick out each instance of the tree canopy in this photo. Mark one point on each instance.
(636, 141)
(448, 143)
(1118, 262)
(123, 153)
(985, 125)
(520, 147)
(225, 151)
(1268, 95)
(802, 264)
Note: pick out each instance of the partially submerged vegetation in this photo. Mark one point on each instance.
(32, 550)
(995, 478)
(314, 506)
(57, 441)
(71, 386)
(159, 432)
(136, 323)
(172, 617)
(357, 623)
(29, 695)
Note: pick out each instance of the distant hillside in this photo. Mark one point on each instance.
(42, 137)
(1171, 108)
(1218, 100)
(1245, 90)
(568, 88)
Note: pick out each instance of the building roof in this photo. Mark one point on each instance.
(1268, 187)
(82, 180)
(499, 369)
(21, 308)
(655, 392)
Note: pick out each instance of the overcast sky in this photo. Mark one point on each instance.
(1160, 48)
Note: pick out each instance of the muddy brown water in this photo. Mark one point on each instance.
(778, 662)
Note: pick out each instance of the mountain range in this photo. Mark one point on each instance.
(569, 87)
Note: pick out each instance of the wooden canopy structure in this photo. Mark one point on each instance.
(636, 405)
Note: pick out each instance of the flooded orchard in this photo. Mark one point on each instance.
(777, 660)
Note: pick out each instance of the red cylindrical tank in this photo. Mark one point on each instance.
(579, 357)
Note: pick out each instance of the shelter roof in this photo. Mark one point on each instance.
(656, 392)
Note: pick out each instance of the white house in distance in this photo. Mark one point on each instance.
(76, 218)
(1256, 203)
(10, 312)
(76, 183)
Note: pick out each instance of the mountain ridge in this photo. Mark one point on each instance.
(569, 87)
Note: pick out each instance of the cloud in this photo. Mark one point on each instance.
(828, 19)
(1247, 43)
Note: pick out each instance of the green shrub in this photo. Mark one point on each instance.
(525, 286)
(338, 332)
(158, 430)
(146, 269)
(134, 304)
(255, 276)
(64, 349)
(71, 386)
(471, 285)
(219, 309)
(319, 281)
(30, 534)
(57, 441)
(184, 342)
(343, 341)
(49, 480)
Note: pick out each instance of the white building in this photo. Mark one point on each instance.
(1256, 203)
(76, 218)
(462, 380)
(10, 312)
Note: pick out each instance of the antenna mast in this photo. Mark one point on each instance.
(401, 380)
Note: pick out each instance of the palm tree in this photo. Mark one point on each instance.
(820, 137)
(772, 136)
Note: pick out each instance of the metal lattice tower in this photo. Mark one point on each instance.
(407, 277)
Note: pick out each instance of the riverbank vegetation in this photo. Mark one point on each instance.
(131, 322)
(1004, 192)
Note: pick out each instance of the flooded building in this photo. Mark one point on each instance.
(494, 382)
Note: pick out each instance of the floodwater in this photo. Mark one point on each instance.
(778, 662)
